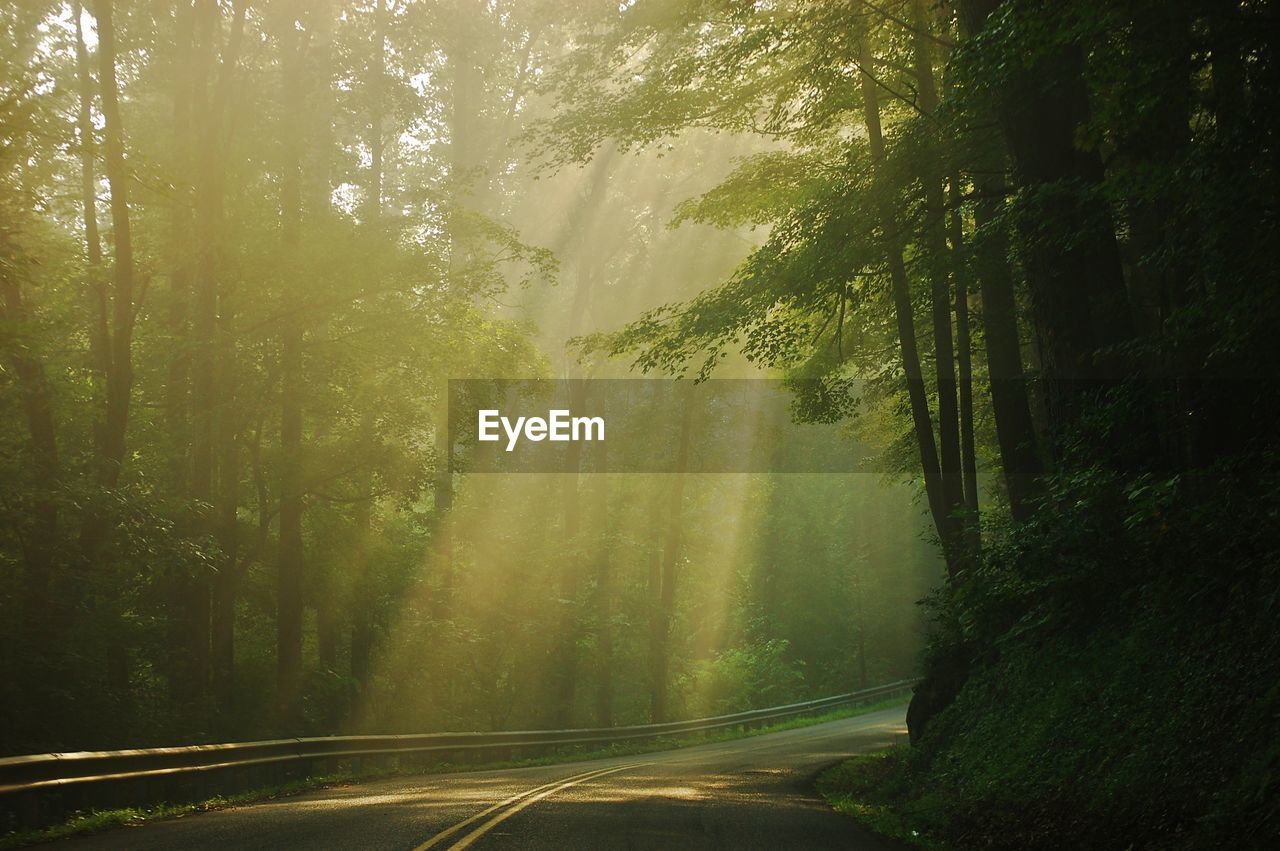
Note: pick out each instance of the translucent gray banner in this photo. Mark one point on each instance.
(654, 426)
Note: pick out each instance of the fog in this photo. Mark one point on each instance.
(247, 248)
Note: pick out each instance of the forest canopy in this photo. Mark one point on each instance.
(246, 247)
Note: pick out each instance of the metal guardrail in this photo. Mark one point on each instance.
(41, 789)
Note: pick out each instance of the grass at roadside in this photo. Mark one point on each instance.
(92, 822)
(866, 788)
(83, 823)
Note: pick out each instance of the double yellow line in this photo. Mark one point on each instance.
(516, 803)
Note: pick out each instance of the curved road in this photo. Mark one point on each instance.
(745, 794)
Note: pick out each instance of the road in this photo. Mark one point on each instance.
(754, 793)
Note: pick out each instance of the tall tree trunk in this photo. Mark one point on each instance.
(220, 633)
(38, 661)
(362, 608)
(362, 613)
(99, 352)
(98, 312)
(442, 529)
(1010, 403)
(188, 64)
(664, 610)
(938, 258)
(194, 593)
(1156, 137)
(565, 674)
(464, 140)
(1078, 296)
(323, 595)
(181, 234)
(40, 616)
(1152, 151)
(120, 377)
(964, 364)
(604, 591)
(210, 192)
(220, 636)
(291, 557)
(572, 569)
(943, 519)
(289, 603)
(604, 594)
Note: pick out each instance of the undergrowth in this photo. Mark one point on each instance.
(1123, 683)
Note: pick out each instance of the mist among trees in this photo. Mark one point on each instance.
(246, 246)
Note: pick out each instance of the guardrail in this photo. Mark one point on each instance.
(41, 789)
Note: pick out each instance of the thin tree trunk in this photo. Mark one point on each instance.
(195, 595)
(210, 192)
(1015, 429)
(221, 635)
(442, 535)
(964, 362)
(604, 594)
(572, 569)
(99, 352)
(1010, 404)
(178, 374)
(565, 675)
(317, 186)
(40, 658)
(900, 288)
(863, 681)
(463, 145)
(362, 614)
(291, 555)
(98, 313)
(187, 63)
(935, 228)
(120, 378)
(664, 611)
(362, 625)
(1158, 228)
(656, 665)
(39, 615)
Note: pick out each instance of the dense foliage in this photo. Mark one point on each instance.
(243, 245)
(1042, 230)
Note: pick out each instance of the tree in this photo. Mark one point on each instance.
(120, 335)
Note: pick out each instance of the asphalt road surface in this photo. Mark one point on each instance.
(754, 793)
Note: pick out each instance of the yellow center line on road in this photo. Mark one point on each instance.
(466, 841)
(523, 800)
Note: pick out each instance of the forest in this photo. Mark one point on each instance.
(259, 257)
